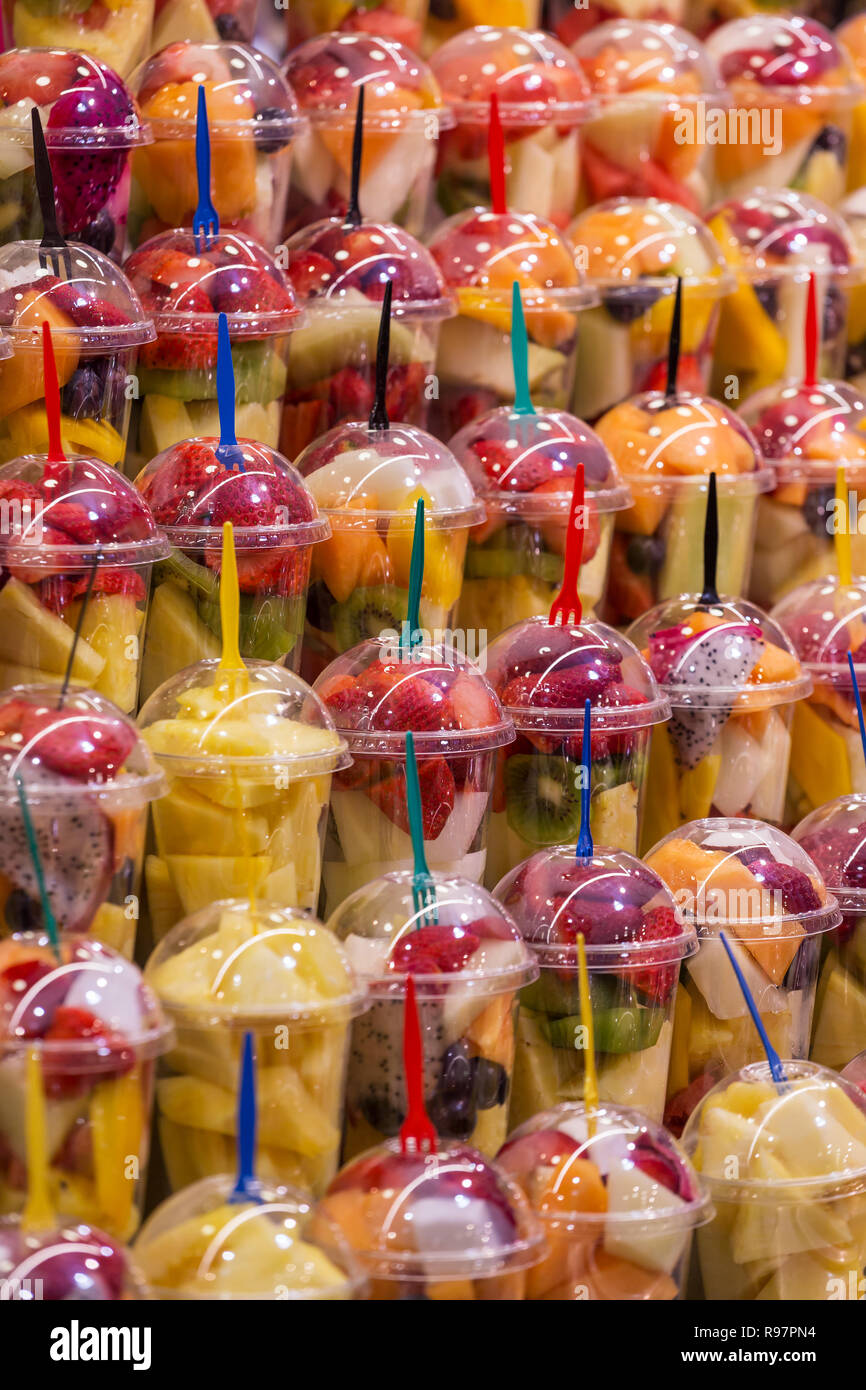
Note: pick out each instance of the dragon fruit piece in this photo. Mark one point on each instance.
(718, 658)
(85, 179)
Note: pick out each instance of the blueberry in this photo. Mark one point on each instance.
(491, 1083)
(627, 303)
(455, 1117)
(269, 141)
(644, 554)
(82, 395)
(229, 28)
(768, 298)
(21, 912)
(455, 1078)
(834, 313)
(833, 139)
(815, 508)
(100, 233)
(381, 1115)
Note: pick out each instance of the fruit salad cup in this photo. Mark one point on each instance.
(403, 115)
(446, 18)
(852, 37)
(775, 242)
(249, 758)
(794, 89)
(635, 941)
(253, 121)
(481, 254)
(276, 523)
(447, 1226)
(733, 680)
(468, 962)
(229, 970)
(392, 19)
(632, 251)
(77, 550)
(570, 22)
(89, 779)
(339, 273)
(854, 212)
(617, 1198)
(367, 482)
(97, 1029)
(762, 890)
(785, 1168)
(97, 327)
(665, 448)
(186, 288)
(118, 34)
(71, 1263)
(543, 674)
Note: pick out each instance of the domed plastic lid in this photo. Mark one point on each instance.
(544, 672)
(835, 837)
(525, 465)
(482, 253)
(95, 304)
(245, 91)
(186, 289)
(782, 233)
(536, 79)
(82, 102)
(376, 692)
(263, 723)
(203, 1243)
(620, 1171)
(72, 514)
(399, 89)
(85, 746)
(70, 1263)
(88, 1010)
(335, 266)
(472, 946)
(191, 494)
(751, 877)
(625, 57)
(853, 210)
(775, 55)
(444, 1215)
(356, 473)
(783, 1140)
(826, 620)
(625, 242)
(235, 965)
(718, 655)
(627, 915)
(5, 347)
(805, 432)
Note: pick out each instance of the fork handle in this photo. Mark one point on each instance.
(416, 1128)
(44, 182)
(568, 599)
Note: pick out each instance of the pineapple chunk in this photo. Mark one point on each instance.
(111, 624)
(184, 820)
(32, 636)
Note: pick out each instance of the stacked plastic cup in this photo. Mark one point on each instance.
(118, 34)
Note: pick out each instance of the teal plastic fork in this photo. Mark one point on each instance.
(423, 886)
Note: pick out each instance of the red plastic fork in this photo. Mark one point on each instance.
(566, 607)
(810, 369)
(496, 158)
(52, 397)
(417, 1134)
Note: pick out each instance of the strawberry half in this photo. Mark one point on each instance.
(63, 1076)
(437, 797)
(113, 581)
(434, 950)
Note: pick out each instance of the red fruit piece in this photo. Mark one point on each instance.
(310, 273)
(63, 1075)
(437, 797)
(85, 310)
(72, 518)
(351, 393)
(181, 352)
(434, 949)
(473, 705)
(416, 704)
(171, 490)
(113, 581)
(566, 689)
(657, 982)
(247, 290)
(89, 748)
(681, 1105)
(690, 377)
(515, 472)
(273, 570)
(258, 497)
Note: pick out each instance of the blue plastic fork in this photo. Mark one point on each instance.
(246, 1187)
(205, 219)
(228, 451)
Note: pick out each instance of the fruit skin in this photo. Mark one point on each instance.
(85, 179)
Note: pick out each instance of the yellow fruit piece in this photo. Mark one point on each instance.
(819, 756)
(747, 339)
(117, 1124)
(288, 1117)
(31, 635)
(662, 795)
(111, 926)
(185, 822)
(444, 554)
(111, 625)
(201, 879)
(697, 785)
(163, 902)
(697, 310)
(613, 817)
(22, 380)
(678, 1071)
(28, 433)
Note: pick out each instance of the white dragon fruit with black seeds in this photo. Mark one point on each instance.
(718, 658)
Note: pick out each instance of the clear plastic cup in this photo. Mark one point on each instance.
(635, 940)
(543, 674)
(775, 242)
(632, 250)
(569, 22)
(186, 289)
(402, 20)
(74, 528)
(855, 1072)
(733, 680)
(97, 326)
(617, 1198)
(339, 273)
(88, 779)
(468, 962)
(253, 121)
(544, 99)
(444, 1226)
(785, 1168)
(118, 34)
(276, 525)
(523, 468)
(703, 16)
(231, 969)
(481, 254)
(665, 448)
(652, 84)
(91, 123)
(205, 1243)
(762, 890)
(375, 693)
(403, 115)
(797, 88)
(854, 212)
(852, 36)
(97, 1029)
(74, 1262)
(367, 482)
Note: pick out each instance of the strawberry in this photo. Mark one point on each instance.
(433, 950)
(259, 497)
(169, 270)
(405, 389)
(437, 796)
(657, 982)
(274, 569)
(12, 714)
(169, 492)
(474, 706)
(468, 406)
(346, 700)
(515, 472)
(564, 689)
(414, 703)
(85, 310)
(113, 581)
(72, 518)
(91, 748)
(690, 377)
(248, 289)
(63, 1076)
(351, 393)
(310, 273)
(180, 352)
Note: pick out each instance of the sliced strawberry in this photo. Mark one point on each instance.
(351, 393)
(657, 982)
(113, 581)
(63, 1075)
(513, 472)
(690, 377)
(248, 290)
(416, 704)
(437, 797)
(310, 273)
(435, 949)
(405, 389)
(84, 310)
(473, 704)
(171, 490)
(73, 519)
(180, 352)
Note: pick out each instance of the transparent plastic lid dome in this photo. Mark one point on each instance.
(244, 89)
(191, 493)
(337, 266)
(825, 620)
(261, 722)
(73, 514)
(745, 875)
(783, 233)
(625, 242)
(536, 79)
(781, 1141)
(185, 288)
(72, 1262)
(853, 210)
(86, 1008)
(232, 965)
(618, 1167)
(6, 349)
(82, 102)
(399, 87)
(356, 473)
(544, 672)
(834, 836)
(432, 690)
(525, 465)
(624, 57)
(481, 254)
(449, 1214)
(472, 943)
(805, 432)
(204, 1243)
(771, 55)
(93, 306)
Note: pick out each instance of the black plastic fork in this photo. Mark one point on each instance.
(53, 250)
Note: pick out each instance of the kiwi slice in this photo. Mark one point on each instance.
(260, 375)
(543, 798)
(369, 612)
(483, 562)
(626, 1029)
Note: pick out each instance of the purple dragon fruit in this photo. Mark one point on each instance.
(86, 177)
(718, 658)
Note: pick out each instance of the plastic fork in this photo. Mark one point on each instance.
(245, 1188)
(423, 886)
(566, 607)
(53, 250)
(417, 1134)
(205, 219)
